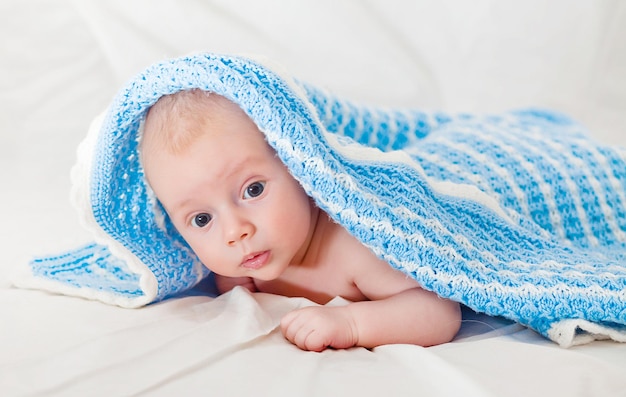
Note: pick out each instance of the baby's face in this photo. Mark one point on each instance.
(233, 200)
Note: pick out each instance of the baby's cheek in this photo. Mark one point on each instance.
(201, 253)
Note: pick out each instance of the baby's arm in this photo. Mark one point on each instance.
(399, 311)
(414, 316)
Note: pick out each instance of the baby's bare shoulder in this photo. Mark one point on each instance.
(373, 276)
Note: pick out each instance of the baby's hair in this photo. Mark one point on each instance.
(175, 120)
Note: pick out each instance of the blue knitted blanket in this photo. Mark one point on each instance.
(516, 214)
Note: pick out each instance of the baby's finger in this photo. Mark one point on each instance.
(286, 324)
(290, 324)
(305, 339)
(299, 331)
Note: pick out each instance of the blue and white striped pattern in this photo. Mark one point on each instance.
(517, 214)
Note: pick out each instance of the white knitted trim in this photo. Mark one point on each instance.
(80, 197)
(573, 332)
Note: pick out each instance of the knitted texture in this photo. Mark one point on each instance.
(516, 214)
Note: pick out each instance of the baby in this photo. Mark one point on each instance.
(251, 223)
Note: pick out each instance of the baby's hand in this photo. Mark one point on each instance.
(316, 328)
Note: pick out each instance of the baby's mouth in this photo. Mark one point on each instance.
(255, 260)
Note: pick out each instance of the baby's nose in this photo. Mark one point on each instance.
(238, 229)
(232, 241)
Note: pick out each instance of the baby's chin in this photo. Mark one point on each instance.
(264, 276)
(267, 273)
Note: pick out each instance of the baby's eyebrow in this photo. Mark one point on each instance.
(228, 171)
(250, 161)
(180, 206)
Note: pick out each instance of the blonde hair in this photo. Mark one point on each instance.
(176, 120)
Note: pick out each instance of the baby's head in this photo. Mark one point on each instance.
(223, 186)
(174, 121)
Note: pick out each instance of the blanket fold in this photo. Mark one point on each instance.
(517, 214)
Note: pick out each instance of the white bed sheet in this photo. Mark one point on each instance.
(60, 63)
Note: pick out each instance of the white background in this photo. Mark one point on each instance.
(62, 61)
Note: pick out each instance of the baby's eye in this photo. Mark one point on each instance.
(201, 220)
(254, 190)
